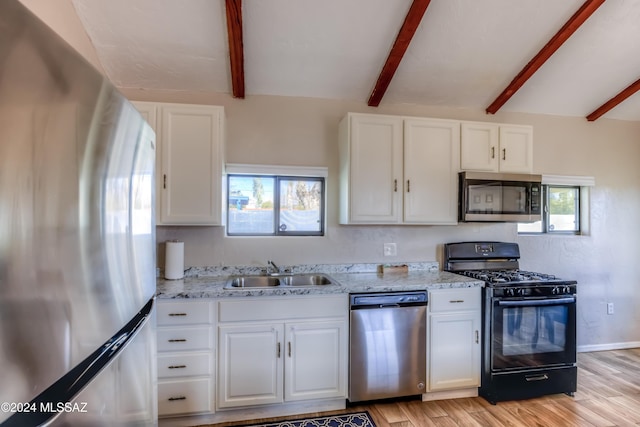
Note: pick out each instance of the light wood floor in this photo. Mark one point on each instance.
(608, 395)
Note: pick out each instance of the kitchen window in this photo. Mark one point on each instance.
(564, 207)
(270, 204)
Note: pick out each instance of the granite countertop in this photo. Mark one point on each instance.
(347, 279)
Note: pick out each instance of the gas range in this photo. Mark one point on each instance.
(528, 322)
(497, 264)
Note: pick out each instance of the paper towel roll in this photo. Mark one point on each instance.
(174, 260)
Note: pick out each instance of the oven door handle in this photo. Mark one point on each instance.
(537, 302)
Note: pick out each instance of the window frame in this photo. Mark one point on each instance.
(279, 173)
(581, 184)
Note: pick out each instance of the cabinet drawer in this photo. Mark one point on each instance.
(454, 299)
(181, 339)
(183, 313)
(183, 365)
(181, 397)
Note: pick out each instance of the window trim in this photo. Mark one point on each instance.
(277, 173)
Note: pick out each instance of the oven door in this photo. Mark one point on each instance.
(533, 332)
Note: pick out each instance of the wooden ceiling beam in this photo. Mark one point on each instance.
(408, 29)
(613, 102)
(236, 46)
(549, 49)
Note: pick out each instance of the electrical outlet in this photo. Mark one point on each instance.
(390, 249)
(609, 308)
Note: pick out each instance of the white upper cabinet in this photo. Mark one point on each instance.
(431, 153)
(492, 147)
(396, 170)
(189, 164)
(516, 148)
(370, 169)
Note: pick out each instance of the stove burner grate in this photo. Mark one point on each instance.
(508, 276)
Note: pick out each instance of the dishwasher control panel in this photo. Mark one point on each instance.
(392, 298)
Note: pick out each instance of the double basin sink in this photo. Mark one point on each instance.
(286, 280)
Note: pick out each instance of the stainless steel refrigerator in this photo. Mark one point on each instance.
(77, 238)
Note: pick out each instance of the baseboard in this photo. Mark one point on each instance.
(450, 394)
(256, 412)
(610, 346)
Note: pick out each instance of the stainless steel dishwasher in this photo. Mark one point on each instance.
(387, 351)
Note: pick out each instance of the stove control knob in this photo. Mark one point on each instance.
(510, 292)
(555, 290)
(520, 291)
(566, 290)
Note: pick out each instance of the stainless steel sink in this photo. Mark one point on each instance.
(305, 280)
(252, 282)
(292, 281)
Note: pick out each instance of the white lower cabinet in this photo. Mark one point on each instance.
(185, 363)
(250, 365)
(313, 364)
(282, 349)
(454, 341)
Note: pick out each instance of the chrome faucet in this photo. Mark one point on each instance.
(274, 266)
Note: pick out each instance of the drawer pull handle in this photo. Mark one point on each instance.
(177, 366)
(542, 377)
(178, 340)
(456, 301)
(177, 314)
(172, 399)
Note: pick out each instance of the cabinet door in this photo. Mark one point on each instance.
(191, 172)
(479, 147)
(431, 153)
(374, 182)
(516, 148)
(250, 365)
(454, 357)
(149, 111)
(316, 360)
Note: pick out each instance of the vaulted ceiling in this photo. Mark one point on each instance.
(561, 57)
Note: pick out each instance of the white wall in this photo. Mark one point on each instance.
(293, 131)
(60, 15)
(296, 131)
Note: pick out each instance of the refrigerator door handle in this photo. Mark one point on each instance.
(67, 387)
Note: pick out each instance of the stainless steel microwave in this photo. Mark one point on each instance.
(499, 197)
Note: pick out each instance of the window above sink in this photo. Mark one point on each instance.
(275, 201)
